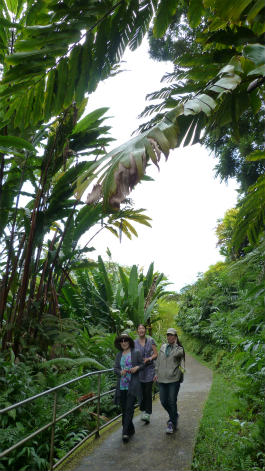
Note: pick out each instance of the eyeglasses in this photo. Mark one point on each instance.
(124, 340)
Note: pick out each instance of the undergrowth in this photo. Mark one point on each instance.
(231, 432)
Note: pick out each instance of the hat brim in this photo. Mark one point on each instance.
(123, 336)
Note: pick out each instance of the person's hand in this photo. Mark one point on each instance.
(146, 360)
(134, 369)
(123, 372)
(155, 378)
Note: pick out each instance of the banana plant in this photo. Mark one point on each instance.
(40, 238)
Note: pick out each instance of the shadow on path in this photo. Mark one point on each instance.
(150, 449)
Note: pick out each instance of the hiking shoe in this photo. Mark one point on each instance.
(146, 418)
(169, 428)
(125, 438)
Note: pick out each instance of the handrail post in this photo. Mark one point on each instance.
(53, 431)
(98, 405)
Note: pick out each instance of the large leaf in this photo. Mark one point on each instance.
(166, 10)
(256, 155)
(256, 53)
(124, 281)
(105, 278)
(195, 12)
(140, 310)
(133, 285)
(16, 142)
(89, 120)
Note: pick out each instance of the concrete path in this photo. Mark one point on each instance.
(150, 449)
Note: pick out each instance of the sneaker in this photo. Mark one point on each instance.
(125, 438)
(169, 428)
(146, 418)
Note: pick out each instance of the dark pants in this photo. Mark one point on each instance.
(146, 403)
(127, 402)
(168, 398)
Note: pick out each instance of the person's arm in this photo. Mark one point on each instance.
(139, 361)
(154, 353)
(117, 365)
(178, 352)
(156, 367)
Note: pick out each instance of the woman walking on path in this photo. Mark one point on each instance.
(147, 347)
(128, 363)
(168, 374)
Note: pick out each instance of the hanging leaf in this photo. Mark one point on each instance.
(195, 12)
(49, 95)
(165, 13)
(84, 70)
(73, 72)
(62, 71)
(37, 114)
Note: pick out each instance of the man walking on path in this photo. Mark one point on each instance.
(168, 374)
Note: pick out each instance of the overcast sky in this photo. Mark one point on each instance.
(184, 201)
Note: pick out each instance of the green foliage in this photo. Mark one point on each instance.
(227, 437)
(56, 48)
(110, 298)
(224, 232)
(168, 311)
(199, 41)
(251, 216)
(51, 56)
(222, 317)
(24, 379)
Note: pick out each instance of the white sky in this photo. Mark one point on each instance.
(184, 201)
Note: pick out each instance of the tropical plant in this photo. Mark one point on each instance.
(222, 315)
(36, 264)
(81, 50)
(250, 219)
(224, 232)
(109, 300)
(197, 44)
(51, 55)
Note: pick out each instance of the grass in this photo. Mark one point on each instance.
(221, 444)
(229, 436)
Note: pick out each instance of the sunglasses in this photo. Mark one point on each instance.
(124, 340)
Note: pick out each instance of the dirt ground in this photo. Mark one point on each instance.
(150, 448)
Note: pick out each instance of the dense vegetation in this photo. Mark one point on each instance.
(222, 314)
(60, 310)
(222, 317)
(95, 305)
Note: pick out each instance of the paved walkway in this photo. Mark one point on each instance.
(150, 449)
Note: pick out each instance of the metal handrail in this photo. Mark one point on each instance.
(55, 419)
